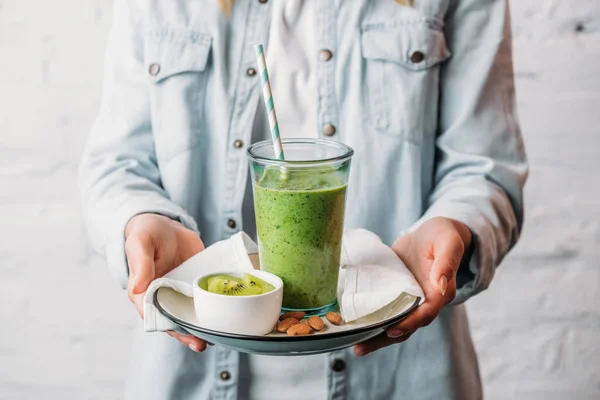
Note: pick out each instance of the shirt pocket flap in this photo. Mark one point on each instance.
(169, 52)
(413, 45)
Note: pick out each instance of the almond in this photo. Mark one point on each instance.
(316, 323)
(292, 314)
(334, 318)
(305, 322)
(298, 330)
(286, 323)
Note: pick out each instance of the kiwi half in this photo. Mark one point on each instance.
(229, 285)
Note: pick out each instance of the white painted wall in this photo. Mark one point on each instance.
(537, 329)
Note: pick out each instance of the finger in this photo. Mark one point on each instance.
(138, 301)
(196, 344)
(194, 244)
(421, 317)
(378, 342)
(447, 252)
(139, 248)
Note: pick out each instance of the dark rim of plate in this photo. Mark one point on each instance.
(332, 335)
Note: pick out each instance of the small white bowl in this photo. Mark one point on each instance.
(244, 315)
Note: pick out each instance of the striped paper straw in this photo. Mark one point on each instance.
(268, 97)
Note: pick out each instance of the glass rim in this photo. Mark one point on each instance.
(347, 151)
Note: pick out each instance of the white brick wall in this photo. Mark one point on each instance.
(536, 329)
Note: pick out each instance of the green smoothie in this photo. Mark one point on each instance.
(300, 219)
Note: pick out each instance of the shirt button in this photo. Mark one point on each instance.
(262, 1)
(417, 57)
(231, 223)
(238, 144)
(154, 69)
(328, 130)
(225, 375)
(250, 72)
(338, 365)
(325, 55)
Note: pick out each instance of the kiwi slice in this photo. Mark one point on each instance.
(231, 286)
(253, 281)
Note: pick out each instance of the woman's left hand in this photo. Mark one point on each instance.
(432, 253)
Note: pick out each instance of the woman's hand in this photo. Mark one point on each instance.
(155, 245)
(433, 254)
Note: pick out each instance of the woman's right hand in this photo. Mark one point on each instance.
(155, 245)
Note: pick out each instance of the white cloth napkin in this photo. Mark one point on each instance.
(371, 275)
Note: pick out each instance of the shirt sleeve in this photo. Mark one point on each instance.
(118, 175)
(480, 159)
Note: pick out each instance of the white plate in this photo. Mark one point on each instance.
(180, 309)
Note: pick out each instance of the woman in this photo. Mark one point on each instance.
(423, 93)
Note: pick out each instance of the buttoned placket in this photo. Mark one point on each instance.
(226, 374)
(337, 371)
(327, 119)
(243, 112)
(250, 17)
(327, 110)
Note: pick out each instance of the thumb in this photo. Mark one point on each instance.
(447, 253)
(140, 256)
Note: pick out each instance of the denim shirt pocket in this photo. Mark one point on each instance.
(176, 62)
(402, 61)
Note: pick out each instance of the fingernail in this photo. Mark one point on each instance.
(194, 347)
(395, 334)
(443, 285)
(360, 351)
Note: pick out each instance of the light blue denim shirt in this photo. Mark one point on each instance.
(423, 94)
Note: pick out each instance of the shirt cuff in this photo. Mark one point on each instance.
(465, 276)
(137, 204)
